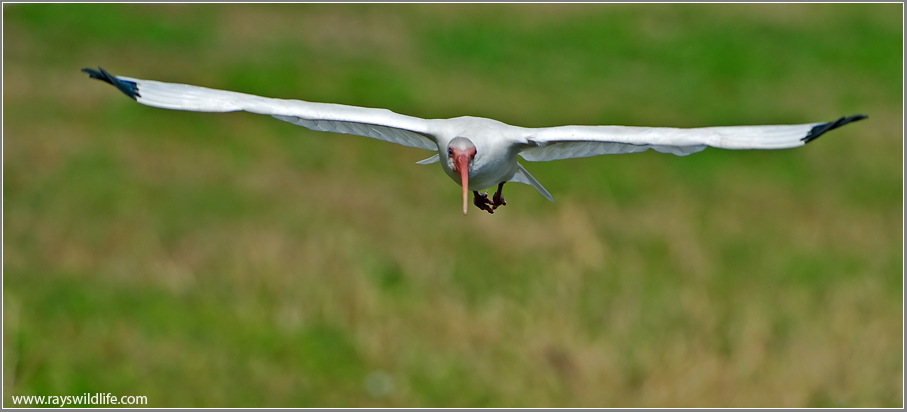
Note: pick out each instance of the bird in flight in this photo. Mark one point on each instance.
(476, 152)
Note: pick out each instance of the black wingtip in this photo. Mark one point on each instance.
(128, 88)
(819, 130)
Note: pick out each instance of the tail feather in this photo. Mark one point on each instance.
(523, 176)
(434, 159)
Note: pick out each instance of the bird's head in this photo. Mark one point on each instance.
(460, 153)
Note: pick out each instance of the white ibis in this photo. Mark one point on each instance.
(478, 153)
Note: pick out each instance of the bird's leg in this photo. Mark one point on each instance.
(482, 202)
(499, 197)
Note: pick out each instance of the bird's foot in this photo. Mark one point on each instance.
(498, 200)
(482, 201)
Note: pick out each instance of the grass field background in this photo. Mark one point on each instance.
(233, 260)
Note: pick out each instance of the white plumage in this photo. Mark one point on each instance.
(493, 159)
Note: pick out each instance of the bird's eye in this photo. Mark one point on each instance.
(449, 151)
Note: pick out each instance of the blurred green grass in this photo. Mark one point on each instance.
(229, 260)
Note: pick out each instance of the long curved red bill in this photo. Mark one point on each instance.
(463, 168)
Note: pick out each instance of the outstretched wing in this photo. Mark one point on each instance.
(553, 143)
(379, 124)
